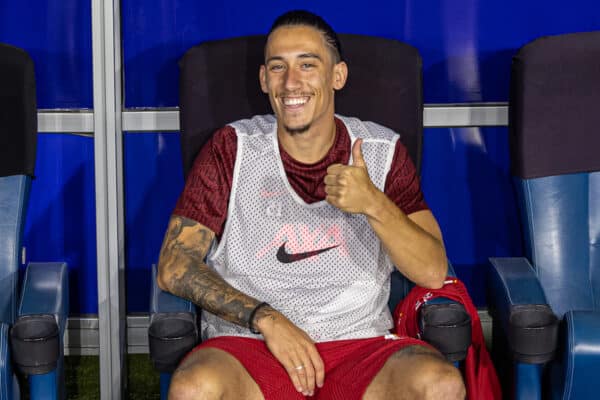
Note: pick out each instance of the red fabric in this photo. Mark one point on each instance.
(206, 193)
(480, 376)
(350, 365)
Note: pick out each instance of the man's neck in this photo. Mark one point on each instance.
(311, 146)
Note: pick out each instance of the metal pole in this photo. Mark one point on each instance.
(108, 146)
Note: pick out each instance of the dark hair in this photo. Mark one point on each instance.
(306, 18)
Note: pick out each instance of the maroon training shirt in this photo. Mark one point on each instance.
(205, 197)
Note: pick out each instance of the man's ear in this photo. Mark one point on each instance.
(262, 76)
(340, 74)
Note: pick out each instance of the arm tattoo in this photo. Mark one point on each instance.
(181, 261)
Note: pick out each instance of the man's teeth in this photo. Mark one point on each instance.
(294, 101)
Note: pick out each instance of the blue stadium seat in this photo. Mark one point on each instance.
(546, 307)
(32, 315)
(215, 91)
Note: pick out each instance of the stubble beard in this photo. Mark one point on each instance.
(297, 131)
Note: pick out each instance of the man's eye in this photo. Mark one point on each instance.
(276, 67)
(307, 65)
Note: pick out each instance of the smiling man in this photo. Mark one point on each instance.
(286, 234)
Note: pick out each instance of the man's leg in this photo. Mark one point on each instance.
(209, 374)
(416, 372)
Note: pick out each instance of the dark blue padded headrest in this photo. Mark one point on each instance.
(555, 106)
(18, 113)
(219, 84)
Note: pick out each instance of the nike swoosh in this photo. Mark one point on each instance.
(286, 258)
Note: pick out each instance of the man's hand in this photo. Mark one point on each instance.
(348, 187)
(293, 348)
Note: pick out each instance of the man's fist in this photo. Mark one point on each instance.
(348, 187)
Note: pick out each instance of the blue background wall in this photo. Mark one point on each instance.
(466, 44)
(466, 47)
(61, 216)
(58, 37)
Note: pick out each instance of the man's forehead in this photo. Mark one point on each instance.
(295, 39)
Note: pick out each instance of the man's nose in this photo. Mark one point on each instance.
(292, 79)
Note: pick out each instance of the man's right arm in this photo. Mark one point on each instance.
(183, 272)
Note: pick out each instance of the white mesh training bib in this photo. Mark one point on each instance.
(322, 268)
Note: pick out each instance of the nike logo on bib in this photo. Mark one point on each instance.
(284, 257)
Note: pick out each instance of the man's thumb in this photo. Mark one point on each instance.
(357, 156)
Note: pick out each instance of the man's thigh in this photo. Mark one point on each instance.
(239, 365)
(214, 373)
(351, 365)
(416, 372)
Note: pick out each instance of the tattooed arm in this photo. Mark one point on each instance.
(183, 272)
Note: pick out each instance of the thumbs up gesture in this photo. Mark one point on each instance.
(348, 187)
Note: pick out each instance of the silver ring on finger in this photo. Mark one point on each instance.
(299, 367)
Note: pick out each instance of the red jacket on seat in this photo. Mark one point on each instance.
(480, 376)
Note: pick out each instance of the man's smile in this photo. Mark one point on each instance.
(294, 101)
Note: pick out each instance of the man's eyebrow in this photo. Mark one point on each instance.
(310, 55)
(274, 58)
(303, 55)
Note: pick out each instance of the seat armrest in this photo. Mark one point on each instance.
(443, 323)
(446, 325)
(36, 336)
(173, 331)
(46, 291)
(9, 384)
(581, 356)
(517, 301)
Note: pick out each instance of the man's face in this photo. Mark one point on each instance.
(300, 77)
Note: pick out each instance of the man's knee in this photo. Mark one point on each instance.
(198, 383)
(417, 372)
(440, 380)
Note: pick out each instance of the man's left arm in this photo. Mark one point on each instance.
(413, 242)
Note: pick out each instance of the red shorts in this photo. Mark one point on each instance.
(350, 365)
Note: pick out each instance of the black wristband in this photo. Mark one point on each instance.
(252, 315)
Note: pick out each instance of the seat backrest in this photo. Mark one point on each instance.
(555, 151)
(219, 84)
(18, 130)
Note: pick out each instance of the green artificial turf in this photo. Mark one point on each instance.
(83, 378)
(142, 379)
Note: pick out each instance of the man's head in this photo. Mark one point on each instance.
(305, 18)
(302, 70)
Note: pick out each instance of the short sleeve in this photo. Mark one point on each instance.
(205, 196)
(402, 184)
